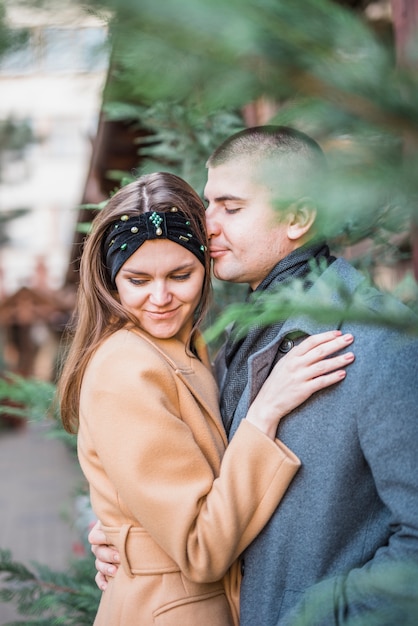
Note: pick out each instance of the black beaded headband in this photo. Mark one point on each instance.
(131, 231)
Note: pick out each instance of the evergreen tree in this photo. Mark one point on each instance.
(329, 73)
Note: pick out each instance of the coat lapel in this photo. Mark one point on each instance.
(196, 375)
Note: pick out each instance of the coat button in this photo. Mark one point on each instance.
(242, 567)
(286, 345)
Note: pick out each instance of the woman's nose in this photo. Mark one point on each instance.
(160, 294)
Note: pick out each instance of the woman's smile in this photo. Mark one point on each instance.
(161, 285)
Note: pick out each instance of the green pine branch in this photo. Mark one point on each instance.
(330, 305)
(51, 598)
(33, 400)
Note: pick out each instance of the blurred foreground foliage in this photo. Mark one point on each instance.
(326, 69)
(332, 304)
(178, 140)
(316, 610)
(186, 72)
(10, 38)
(48, 597)
(31, 399)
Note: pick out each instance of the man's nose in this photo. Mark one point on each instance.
(212, 223)
(160, 294)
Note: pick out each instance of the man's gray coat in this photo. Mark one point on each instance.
(350, 517)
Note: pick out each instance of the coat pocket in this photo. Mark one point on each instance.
(208, 609)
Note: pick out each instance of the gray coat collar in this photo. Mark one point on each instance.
(340, 272)
(260, 363)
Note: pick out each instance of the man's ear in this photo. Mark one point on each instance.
(301, 216)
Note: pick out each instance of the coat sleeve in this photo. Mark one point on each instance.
(384, 590)
(160, 474)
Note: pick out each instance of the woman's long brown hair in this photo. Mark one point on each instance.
(97, 312)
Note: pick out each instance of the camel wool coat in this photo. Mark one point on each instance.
(179, 509)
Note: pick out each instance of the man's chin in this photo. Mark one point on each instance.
(223, 275)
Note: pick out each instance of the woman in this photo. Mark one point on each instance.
(138, 388)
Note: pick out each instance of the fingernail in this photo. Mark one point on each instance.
(347, 337)
(111, 570)
(116, 558)
(349, 356)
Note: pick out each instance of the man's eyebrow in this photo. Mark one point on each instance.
(227, 197)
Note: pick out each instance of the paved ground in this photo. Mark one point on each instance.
(38, 480)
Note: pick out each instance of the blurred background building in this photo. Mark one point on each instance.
(51, 84)
(50, 97)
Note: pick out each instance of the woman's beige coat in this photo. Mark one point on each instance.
(151, 443)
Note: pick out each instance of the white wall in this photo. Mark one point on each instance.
(56, 86)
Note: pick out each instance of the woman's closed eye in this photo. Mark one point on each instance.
(144, 281)
(181, 277)
(138, 281)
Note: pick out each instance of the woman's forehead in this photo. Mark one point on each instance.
(161, 252)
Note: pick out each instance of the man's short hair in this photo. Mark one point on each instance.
(282, 157)
(267, 142)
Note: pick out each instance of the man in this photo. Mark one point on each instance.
(341, 546)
